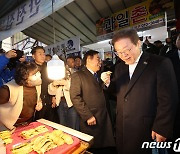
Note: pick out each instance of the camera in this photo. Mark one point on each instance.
(13, 61)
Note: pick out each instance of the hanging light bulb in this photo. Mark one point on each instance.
(55, 68)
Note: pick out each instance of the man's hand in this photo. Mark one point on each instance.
(22, 59)
(11, 54)
(158, 137)
(39, 105)
(105, 77)
(53, 102)
(59, 82)
(91, 121)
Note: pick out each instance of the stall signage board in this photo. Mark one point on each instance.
(71, 45)
(27, 14)
(143, 16)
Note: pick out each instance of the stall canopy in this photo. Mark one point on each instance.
(77, 18)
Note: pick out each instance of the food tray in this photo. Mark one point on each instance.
(17, 139)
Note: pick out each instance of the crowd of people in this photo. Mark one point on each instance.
(144, 84)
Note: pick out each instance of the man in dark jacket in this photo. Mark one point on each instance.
(174, 56)
(88, 99)
(146, 90)
(47, 112)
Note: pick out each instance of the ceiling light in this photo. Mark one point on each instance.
(104, 41)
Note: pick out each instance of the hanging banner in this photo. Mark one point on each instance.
(27, 14)
(70, 46)
(147, 15)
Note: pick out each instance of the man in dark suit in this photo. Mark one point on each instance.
(146, 91)
(48, 111)
(88, 99)
(174, 56)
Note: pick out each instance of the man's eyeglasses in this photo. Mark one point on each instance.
(120, 53)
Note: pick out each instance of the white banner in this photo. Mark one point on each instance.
(71, 45)
(27, 14)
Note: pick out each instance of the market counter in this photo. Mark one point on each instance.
(46, 133)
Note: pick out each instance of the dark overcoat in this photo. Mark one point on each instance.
(88, 99)
(146, 102)
(175, 59)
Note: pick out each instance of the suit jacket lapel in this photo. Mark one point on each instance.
(90, 75)
(142, 64)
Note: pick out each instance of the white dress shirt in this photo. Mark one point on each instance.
(179, 53)
(91, 71)
(133, 66)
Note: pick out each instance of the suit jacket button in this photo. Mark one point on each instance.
(125, 99)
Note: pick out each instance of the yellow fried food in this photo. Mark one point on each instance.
(45, 147)
(5, 134)
(6, 137)
(33, 132)
(58, 141)
(8, 140)
(41, 129)
(40, 142)
(58, 132)
(108, 72)
(28, 134)
(24, 148)
(37, 140)
(67, 139)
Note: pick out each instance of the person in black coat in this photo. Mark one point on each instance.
(48, 112)
(174, 56)
(146, 90)
(89, 101)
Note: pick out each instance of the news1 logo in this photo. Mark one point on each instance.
(176, 146)
(167, 145)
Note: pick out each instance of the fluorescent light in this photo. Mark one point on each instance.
(104, 41)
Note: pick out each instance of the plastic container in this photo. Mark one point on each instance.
(55, 68)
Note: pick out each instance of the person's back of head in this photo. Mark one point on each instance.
(158, 43)
(48, 57)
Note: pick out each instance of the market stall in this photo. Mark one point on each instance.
(46, 137)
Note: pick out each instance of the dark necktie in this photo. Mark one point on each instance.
(96, 77)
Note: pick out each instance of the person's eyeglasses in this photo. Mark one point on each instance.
(120, 53)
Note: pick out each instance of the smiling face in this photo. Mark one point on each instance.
(93, 63)
(126, 50)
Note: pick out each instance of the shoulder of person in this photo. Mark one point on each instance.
(159, 59)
